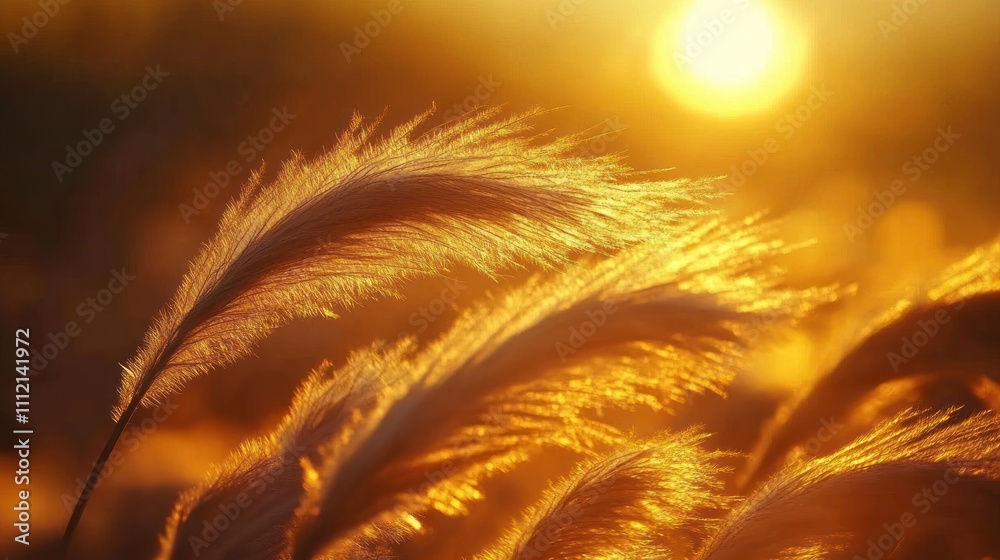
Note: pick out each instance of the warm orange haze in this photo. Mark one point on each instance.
(532, 279)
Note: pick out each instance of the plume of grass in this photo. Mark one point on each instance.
(369, 214)
(963, 304)
(646, 500)
(505, 381)
(830, 506)
(262, 480)
(933, 391)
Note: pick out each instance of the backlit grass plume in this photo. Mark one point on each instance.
(645, 500)
(945, 339)
(915, 480)
(645, 328)
(259, 487)
(355, 222)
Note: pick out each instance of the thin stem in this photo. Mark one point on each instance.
(95, 474)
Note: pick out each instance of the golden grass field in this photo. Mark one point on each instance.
(576, 279)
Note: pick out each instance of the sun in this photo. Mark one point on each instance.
(728, 57)
(727, 46)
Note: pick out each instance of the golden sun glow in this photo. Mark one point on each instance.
(728, 57)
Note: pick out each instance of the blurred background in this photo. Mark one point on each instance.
(811, 109)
